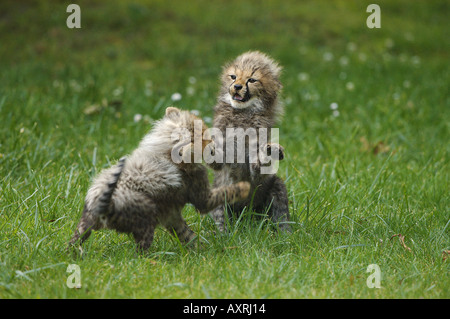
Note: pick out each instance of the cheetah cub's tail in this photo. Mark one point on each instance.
(104, 199)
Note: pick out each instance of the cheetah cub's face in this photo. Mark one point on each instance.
(251, 81)
(188, 133)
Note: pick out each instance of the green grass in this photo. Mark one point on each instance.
(355, 179)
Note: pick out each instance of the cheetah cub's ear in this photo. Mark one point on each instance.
(172, 113)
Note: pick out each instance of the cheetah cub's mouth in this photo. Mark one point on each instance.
(238, 97)
(239, 94)
(241, 101)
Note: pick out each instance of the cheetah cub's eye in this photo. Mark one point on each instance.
(233, 77)
(252, 80)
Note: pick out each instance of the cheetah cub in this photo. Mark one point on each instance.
(248, 100)
(149, 188)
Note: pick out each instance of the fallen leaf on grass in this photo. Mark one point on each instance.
(337, 232)
(381, 148)
(97, 108)
(445, 254)
(378, 148)
(92, 109)
(402, 241)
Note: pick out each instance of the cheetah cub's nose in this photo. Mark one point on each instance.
(238, 87)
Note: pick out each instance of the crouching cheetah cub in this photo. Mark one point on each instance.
(149, 188)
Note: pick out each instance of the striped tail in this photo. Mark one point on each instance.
(104, 200)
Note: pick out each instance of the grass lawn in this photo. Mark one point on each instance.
(366, 134)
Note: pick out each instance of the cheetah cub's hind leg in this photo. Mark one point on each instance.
(229, 194)
(178, 227)
(222, 196)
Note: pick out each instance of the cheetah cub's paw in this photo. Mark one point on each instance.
(244, 189)
(273, 148)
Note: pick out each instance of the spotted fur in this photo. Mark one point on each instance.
(149, 189)
(248, 98)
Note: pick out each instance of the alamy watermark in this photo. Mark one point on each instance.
(241, 146)
(74, 280)
(374, 19)
(374, 280)
(74, 19)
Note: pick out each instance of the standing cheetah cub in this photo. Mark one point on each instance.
(248, 100)
(149, 188)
